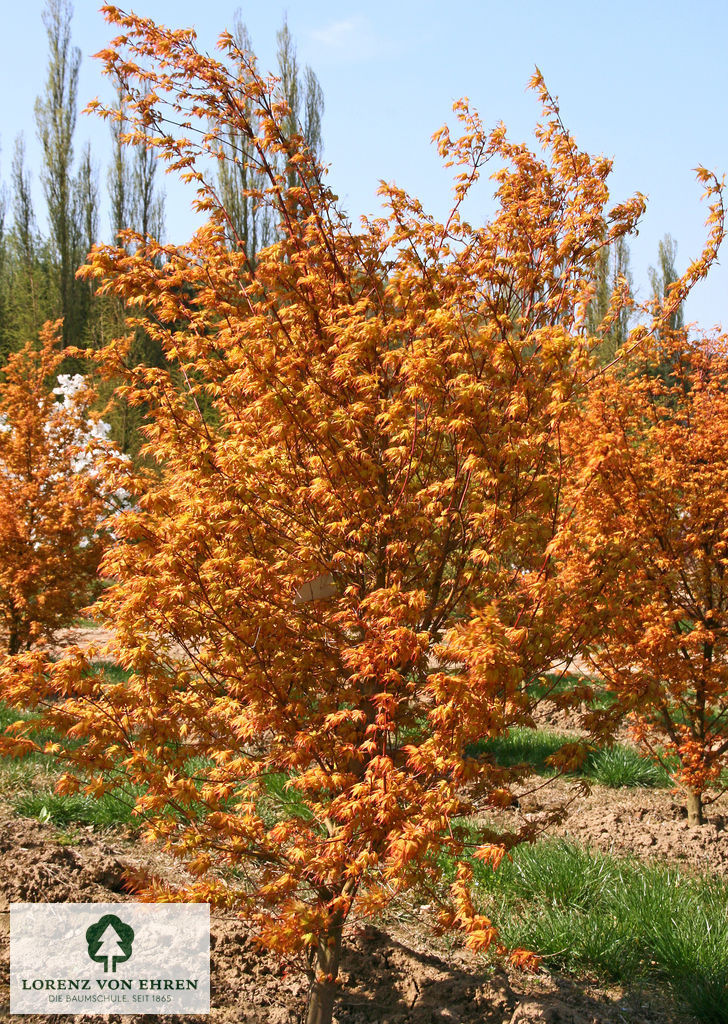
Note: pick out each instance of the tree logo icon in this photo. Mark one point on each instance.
(109, 941)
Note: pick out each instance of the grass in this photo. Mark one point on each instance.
(281, 800)
(114, 808)
(77, 808)
(614, 766)
(584, 911)
(620, 765)
(521, 745)
(21, 774)
(84, 622)
(554, 683)
(28, 780)
(581, 910)
(8, 715)
(114, 673)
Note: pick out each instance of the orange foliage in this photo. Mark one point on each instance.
(50, 503)
(649, 549)
(373, 416)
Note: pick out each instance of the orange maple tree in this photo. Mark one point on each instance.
(51, 502)
(337, 574)
(648, 547)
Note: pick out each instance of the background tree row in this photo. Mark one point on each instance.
(42, 248)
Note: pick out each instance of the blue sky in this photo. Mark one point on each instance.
(645, 83)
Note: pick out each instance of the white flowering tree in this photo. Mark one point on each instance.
(52, 500)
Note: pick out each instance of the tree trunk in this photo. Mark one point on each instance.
(322, 995)
(694, 804)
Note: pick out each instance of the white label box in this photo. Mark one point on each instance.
(96, 958)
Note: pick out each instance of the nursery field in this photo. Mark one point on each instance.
(352, 497)
(624, 902)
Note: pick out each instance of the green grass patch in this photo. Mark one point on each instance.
(21, 774)
(281, 801)
(556, 683)
(78, 808)
(84, 622)
(115, 808)
(521, 745)
(28, 781)
(614, 766)
(9, 715)
(620, 765)
(112, 672)
(585, 911)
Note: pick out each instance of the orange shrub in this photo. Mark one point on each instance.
(339, 574)
(50, 500)
(648, 548)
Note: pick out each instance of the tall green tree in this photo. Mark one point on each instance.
(664, 275)
(612, 273)
(661, 279)
(136, 201)
(55, 114)
(136, 204)
(119, 174)
(303, 94)
(32, 297)
(305, 99)
(249, 226)
(147, 200)
(250, 223)
(86, 196)
(4, 267)
(85, 224)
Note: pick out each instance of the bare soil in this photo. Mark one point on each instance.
(83, 637)
(647, 823)
(393, 976)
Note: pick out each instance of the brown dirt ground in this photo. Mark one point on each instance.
(649, 823)
(397, 974)
(393, 976)
(84, 636)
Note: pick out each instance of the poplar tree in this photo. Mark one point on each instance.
(136, 202)
(250, 226)
(147, 201)
(665, 275)
(119, 174)
(303, 96)
(612, 274)
(136, 205)
(55, 115)
(124, 422)
(662, 278)
(4, 293)
(31, 296)
(86, 202)
(85, 225)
